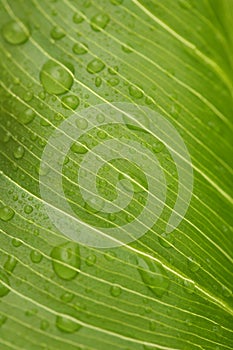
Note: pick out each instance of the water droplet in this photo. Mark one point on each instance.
(66, 325)
(98, 81)
(19, 152)
(36, 256)
(158, 147)
(15, 33)
(6, 213)
(82, 123)
(126, 48)
(44, 325)
(193, 264)
(67, 253)
(115, 291)
(154, 276)
(3, 320)
(110, 256)
(94, 204)
(95, 66)
(67, 297)
(90, 260)
(16, 243)
(166, 240)
(189, 287)
(57, 79)
(6, 137)
(80, 48)
(135, 91)
(226, 292)
(28, 209)
(77, 18)
(113, 81)
(70, 102)
(99, 21)
(10, 263)
(57, 33)
(3, 289)
(28, 96)
(80, 148)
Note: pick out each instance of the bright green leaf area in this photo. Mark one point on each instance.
(168, 291)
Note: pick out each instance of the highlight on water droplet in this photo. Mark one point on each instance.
(154, 276)
(66, 260)
(6, 213)
(99, 21)
(57, 78)
(15, 32)
(65, 324)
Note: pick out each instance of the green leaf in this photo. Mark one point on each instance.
(116, 175)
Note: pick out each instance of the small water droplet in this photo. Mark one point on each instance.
(4, 290)
(16, 243)
(99, 21)
(80, 48)
(6, 213)
(158, 147)
(113, 81)
(15, 33)
(28, 209)
(98, 81)
(10, 263)
(44, 325)
(135, 91)
(95, 66)
(115, 291)
(57, 33)
(36, 256)
(19, 152)
(154, 276)
(81, 123)
(226, 292)
(90, 260)
(3, 320)
(70, 102)
(66, 325)
(80, 148)
(67, 297)
(55, 78)
(189, 286)
(126, 48)
(67, 253)
(166, 240)
(6, 137)
(77, 18)
(28, 96)
(193, 264)
(110, 256)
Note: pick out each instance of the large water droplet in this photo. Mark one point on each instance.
(66, 325)
(57, 33)
(67, 253)
(154, 276)
(15, 33)
(70, 102)
(6, 213)
(3, 289)
(99, 21)
(95, 66)
(80, 48)
(55, 78)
